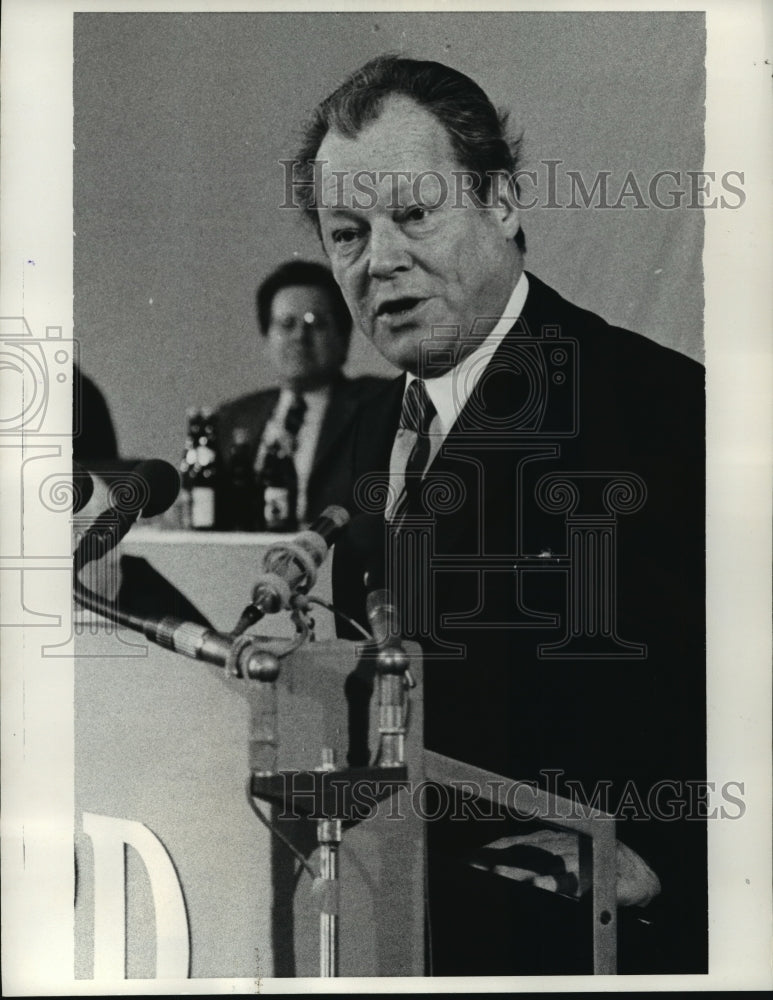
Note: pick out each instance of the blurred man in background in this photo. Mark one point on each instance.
(306, 326)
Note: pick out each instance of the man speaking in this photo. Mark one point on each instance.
(533, 486)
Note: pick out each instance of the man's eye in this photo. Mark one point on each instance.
(345, 235)
(415, 214)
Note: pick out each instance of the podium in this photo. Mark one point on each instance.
(162, 764)
(195, 861)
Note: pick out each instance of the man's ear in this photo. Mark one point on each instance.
(504, 201)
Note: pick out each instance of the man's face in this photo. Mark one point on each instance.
(411, 255)
(306, 349)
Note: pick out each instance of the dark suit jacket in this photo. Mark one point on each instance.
(328, 482)
(578, 434)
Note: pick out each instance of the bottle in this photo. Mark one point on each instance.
(187, 467)
(242, 496)
(206, 478)
(278, 490)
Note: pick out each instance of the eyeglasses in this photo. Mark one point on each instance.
(309, 321)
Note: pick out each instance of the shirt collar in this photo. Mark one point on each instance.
(449, 392)
(312, 397)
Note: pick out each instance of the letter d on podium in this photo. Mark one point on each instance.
(109, 837)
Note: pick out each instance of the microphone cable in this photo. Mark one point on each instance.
(340, 614)
(101, 606)
(427, 907)
(274, 829)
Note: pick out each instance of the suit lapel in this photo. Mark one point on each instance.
(508, 409)
(340, 411)
(266, 405)
(376, 429)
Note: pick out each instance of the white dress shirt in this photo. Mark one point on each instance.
(308, 435)
(449, 393)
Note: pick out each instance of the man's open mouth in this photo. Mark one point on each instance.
(398, 308)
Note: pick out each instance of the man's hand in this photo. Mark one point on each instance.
(550, 859)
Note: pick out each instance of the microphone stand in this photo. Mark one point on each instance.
(329, 835)
(392, 665)
(242, 656)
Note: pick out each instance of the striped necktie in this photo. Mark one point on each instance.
(417, 415)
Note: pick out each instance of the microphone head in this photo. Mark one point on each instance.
(383, 615)
(376, 600)
(82, 486)
(163, 485)
(329, 524)
(338, 515)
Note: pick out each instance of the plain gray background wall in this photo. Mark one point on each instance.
(181, 120)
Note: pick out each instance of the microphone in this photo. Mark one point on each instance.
(159, 485)
(393, 665)
(291, 567)
(383, 617)
(383, 614)
(83, 487)
(237, 654)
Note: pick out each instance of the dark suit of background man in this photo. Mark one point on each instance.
(306, 327)
(558, 462)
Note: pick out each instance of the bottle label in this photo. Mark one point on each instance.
(276, 507)
(202, 507)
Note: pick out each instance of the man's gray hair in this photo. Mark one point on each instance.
(476, 130)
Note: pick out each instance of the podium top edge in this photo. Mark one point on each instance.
(163, 536)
